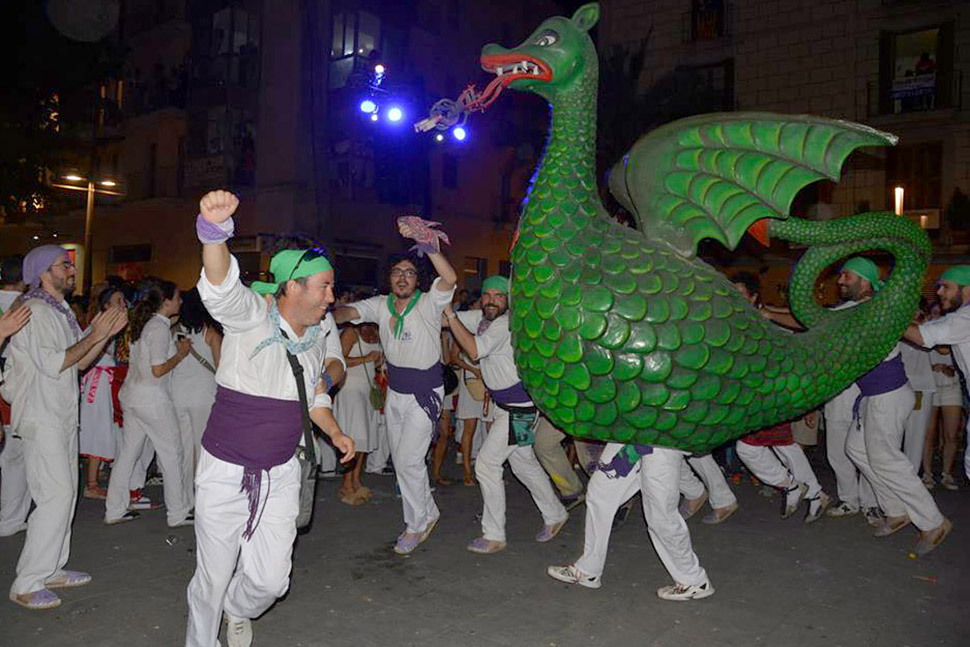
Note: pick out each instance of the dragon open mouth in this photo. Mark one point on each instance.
(507, 68)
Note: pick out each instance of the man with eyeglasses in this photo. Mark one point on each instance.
(248, 477)
(41, 383)
(410, 328)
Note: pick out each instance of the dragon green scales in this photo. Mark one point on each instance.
(623, 334)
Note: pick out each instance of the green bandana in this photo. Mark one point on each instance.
(959, 274)
(496, 282)
(866, 269)
(291, 264)
(399, 317)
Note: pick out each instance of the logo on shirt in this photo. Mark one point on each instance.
(406, 336)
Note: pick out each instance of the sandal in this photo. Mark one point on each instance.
(95, 492)
(67, 580)
(36, 601)
(352, 498)
(928, 540)
(443, 482)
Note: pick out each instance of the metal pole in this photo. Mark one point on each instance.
(88, 236)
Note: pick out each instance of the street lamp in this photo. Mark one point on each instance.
(107, 188)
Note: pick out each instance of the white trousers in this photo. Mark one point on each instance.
(657, 475)
(159, 423)
(192, 422)
(875, 449)
(711, 478)
(852, 487)
(915, 437)
(779, 464)
(14, 495)
(140, 472)
(409, 436)
(489, 469)
(50, 457)
(243, 578)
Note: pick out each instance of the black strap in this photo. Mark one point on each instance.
(305, 407)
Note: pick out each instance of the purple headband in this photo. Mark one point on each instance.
(39, 260)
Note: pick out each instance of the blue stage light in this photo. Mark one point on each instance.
(439, 138)
(459, 133)
(395, 114)
(368, 106)
(374, 117)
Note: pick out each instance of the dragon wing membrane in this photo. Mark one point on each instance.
(713, 176)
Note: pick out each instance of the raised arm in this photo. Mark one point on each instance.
(441, 265)
(216, 208)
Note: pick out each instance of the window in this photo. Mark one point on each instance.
(916, 72)
(707, 19)
(234, 47)
(355, 38)
(215, 139)
(152, 171)
(505, 268)
(918, 168)
(449, 171)
(476, 271)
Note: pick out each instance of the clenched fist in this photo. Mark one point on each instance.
(218, 206)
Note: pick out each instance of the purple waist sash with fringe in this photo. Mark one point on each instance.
(255, 432)
(515, 394)
(421, 383)
(886, 377)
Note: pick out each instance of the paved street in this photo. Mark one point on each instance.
(779, 583)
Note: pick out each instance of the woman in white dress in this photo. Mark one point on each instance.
(98, 439)
(194, 380)
(948, 409)
(356, 415)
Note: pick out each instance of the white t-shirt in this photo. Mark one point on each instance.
(7, 297)
(42, 397)
(494, 350)
(952, 329)
(419, 345)
(154, 347)
(918, 369)
(244, 316)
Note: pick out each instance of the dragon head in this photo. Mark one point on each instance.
(554, 58)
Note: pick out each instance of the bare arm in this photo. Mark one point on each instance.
(323, 418)
(464, 338)
(160, 370)
(912, 334)
(441, 265)
(217, 207)
(104, 326)
(343, 314)
(214, 340)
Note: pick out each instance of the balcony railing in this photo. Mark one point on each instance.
(918, 94)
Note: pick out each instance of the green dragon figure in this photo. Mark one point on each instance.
(624, 335)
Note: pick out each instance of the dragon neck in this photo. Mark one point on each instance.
(566, 174)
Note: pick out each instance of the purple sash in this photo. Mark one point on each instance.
(255, 432)
(514, 394)
(622, 464)
(888, 376)
(421, 383)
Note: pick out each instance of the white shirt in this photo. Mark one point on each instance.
(244, 316)
(419, 345)
(918, 369)
(7, 297)
(494, 350)
(193, 385)
(952, 329)
(39, 392)
(154, 347)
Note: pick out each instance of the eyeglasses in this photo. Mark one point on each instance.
(411, 274)
(309, 255)
(67, 265)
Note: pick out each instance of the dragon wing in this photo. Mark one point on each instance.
(715, 175)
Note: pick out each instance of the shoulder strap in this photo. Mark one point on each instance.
(205, 363)
(304, 405)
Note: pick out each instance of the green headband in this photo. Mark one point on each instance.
(496, 282)
(959, 274)
(290, 264)
(866, 269)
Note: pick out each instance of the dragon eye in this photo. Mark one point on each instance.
(547, 38)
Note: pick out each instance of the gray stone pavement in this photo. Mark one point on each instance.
(779, 583)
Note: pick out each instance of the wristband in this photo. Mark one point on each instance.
(328, 381)
(210, 233)
(322, 401)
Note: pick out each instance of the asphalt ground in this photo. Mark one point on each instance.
(778, 582)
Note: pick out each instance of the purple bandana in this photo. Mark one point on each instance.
(38, 261)
(210, 233)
